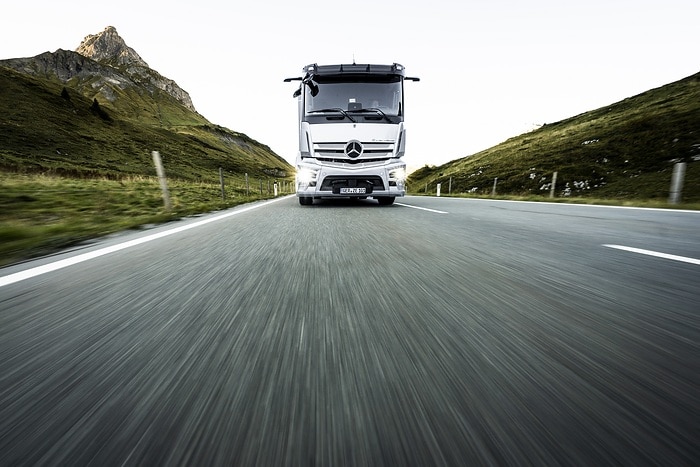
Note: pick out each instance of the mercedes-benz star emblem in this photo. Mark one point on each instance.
(353, 149)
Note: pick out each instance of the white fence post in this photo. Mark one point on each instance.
(674, 196)
(221, 180)
(554, 185)
(438, 189)
(161, 177)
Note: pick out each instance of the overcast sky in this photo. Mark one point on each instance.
(489, 69)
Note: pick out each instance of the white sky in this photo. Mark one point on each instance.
(489, 69)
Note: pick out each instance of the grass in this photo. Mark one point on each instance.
(643, 190)
(624, 151)
(40, 214)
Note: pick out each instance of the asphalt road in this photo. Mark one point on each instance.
(474, 333)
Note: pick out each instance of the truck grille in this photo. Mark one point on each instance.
(346, 160)
(351, 180)
(371, 152)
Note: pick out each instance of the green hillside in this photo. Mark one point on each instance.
(49, 127)
(76, 163)
(623, 151)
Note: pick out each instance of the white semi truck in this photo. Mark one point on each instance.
(351, 132)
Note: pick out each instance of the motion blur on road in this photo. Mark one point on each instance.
(466, 332)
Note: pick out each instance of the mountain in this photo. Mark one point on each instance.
(625, 150)
(109, 47)
(101, 110)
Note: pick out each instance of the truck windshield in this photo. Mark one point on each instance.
(380, 93)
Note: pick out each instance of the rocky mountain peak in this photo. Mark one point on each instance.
(100, 66)
(108, 47)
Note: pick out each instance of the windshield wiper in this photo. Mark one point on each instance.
(335, 109)
(374, 109)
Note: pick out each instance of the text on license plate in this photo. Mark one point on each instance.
(353, 191)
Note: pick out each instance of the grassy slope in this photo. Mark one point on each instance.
(622, 151)
(44, 132)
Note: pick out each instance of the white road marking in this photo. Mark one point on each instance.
(423, 209)
(655, 253)
(64, 263)
(583, 205)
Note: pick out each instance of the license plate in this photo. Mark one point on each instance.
(353, 191)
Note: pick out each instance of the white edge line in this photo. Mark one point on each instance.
(655, 254)
(422, 209)
(39, 270)
(604, 206)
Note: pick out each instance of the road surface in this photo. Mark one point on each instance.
(433, 332)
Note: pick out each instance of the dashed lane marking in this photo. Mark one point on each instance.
(656, 254)
(422, 209)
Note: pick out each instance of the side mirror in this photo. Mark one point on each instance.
(307, 81)
(297, 93)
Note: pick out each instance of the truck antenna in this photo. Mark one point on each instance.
(353, 58)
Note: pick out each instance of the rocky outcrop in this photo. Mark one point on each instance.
(102, 63)
(109, 48)
(63, 64)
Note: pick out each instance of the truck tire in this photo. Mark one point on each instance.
(306, 201)
(386, 200)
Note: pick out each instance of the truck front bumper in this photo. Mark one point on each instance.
(317, 180)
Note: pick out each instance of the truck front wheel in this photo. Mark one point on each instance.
(386, 200)
(306, 201)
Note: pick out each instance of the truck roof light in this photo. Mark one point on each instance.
(354, 68)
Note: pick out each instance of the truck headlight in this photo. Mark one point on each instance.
(306, 176)
(397, 177)
(398, 174)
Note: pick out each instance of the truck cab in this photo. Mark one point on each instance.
(351, 132)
